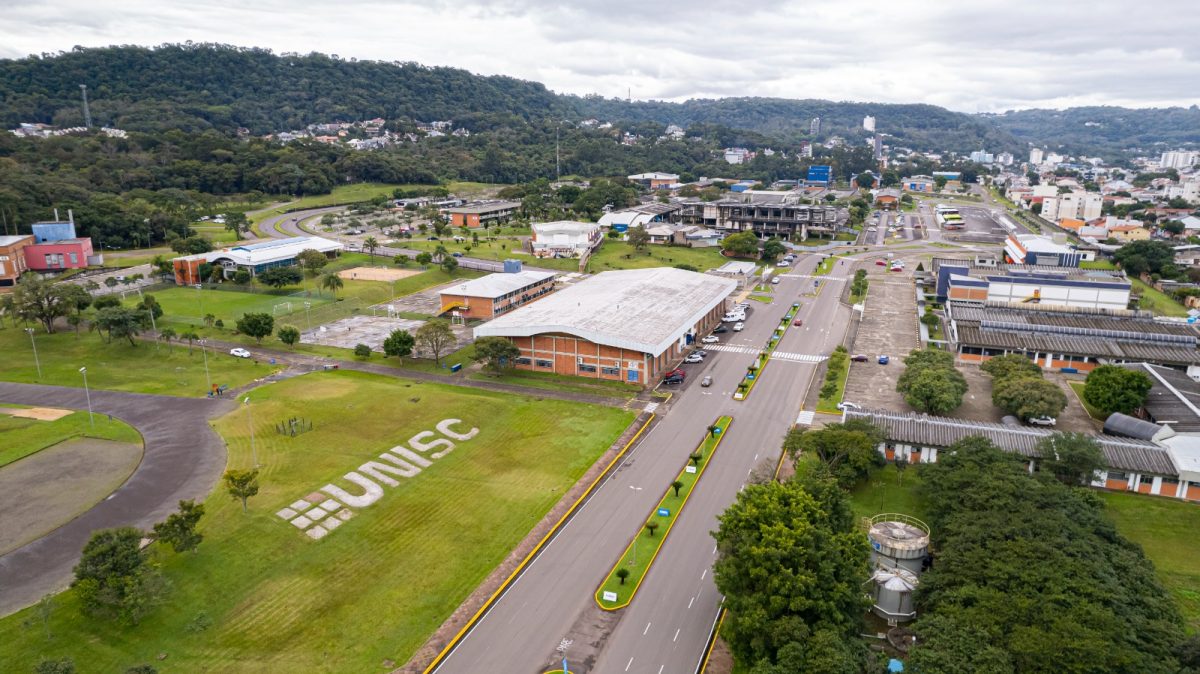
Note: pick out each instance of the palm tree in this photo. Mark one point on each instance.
(191, 337)
(677, 485)
(167, 334)
(371, 244)
(332, 283)
(440, 253)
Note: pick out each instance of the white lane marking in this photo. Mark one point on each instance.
(628, 664)
(675, 639)
(660, 668)
(714, 549)
(646, 630)
(691, 602)
(756, 457)
(704, 574)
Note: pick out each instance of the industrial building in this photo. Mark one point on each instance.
(1040, 250)
(631, 325)
(56, 248)
(767, 214)
(986, 279)
(252, 257)
(564, 238)
(496, 294)
(482, 214)
(655, 181)
(12, 259)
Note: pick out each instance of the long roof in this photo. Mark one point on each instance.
(484, 207)
(12, 240)
(564, 227)
(1139, 456)
(1174, 398)
(272, 250)
(643, 310)
(498, 285)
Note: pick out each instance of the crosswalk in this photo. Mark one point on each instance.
(806, 418)
(782, 355)
(826, 277)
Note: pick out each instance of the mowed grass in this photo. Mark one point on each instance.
(186, 306)
(553, 382)
(888, 490)
(119, 366)
(378, 586)
(21, 437)
(1163, 527)
(620, 255)
(1157, 302)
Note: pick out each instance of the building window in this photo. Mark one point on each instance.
(613, 371)
(523, 361)
(587, 368)
(1114, 475)
(545, 363)
(74, 258)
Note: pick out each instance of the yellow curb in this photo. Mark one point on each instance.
(713, 644)
(437, 660)
(667, 532)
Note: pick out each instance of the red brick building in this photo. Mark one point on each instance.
(482, 213)
(496, 294)
(12, 259)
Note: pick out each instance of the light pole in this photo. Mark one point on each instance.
(635, 538)
(36, 362)
(250, 424)
(308, 319)
(88, 393)
(154, 327)
(207, 379)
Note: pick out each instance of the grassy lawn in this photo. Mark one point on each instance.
(216, 233)
(557, 382)
(119, 366)
(22, 437)
(640, 554)
(1157, 302)
(887, 490)
(1156, 523)
(136, 258)
(1106, 265)
(186, 307)
(260, 596)
(842, 369)
(620, 255)
(1077, 387)
(343, 194)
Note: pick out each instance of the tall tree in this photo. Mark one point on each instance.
(122, 323)
(113, 578)
(332, 283)
(399, 344)
(257, 325)
(179, 529)
(236, 222)
(637, 237)
(312, 261)
(496, 353)
(288, 334)
(241, 484)
(39, 300)
(280, 277)
(1110, 388)
(1072, 458)
(1028, 397)
(371, 244)
(435, 336)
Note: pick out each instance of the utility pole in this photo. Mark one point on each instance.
(88, 392)
(36, 362)
(557, 160)
(87, 113)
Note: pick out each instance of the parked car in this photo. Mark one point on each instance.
(699, 352)
(456, 254)
(896, 268)
(239, 352)
(693, 358)
(859, 358)
(670, 381)
(1043, 421)
(775, 281)
(738, 327)
(719, 329)
(883, 360)
(711, 339)
(706, 382)
(431, 238)
(880, 262)
(797, 323)
(676, 373)
(848, 406)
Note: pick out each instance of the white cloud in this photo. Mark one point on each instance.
(981, 56)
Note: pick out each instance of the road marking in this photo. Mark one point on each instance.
(806, 417)
(691, 602)
(714, 549)
(704, 574)
(628, 664)
(646, 630)
(660, 668)
(756, 457)
(675, 639)
(650, 407)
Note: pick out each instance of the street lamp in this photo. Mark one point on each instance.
(36, 362)
(204, 352)
(88, 393)
(250, 424)
(639, 533)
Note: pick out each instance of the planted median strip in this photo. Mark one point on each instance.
(619, 588)
(754, 372)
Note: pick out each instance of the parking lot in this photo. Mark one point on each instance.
(889, 326)
(981, 228)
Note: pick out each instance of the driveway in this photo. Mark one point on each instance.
(183, 459)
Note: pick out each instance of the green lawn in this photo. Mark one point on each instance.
(119, 366)
(214, 232)
(260, 596)
(611, 255)
(186, 307)
(1077, 387)
(1163, 527)
(20, 437)
(887, 490)
(1098, 264)
(1157, 302)
(641, 551)
(344, 194)
(554, 382)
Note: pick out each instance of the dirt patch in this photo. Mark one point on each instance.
(39, 413)
(376, 274)
(43, 491)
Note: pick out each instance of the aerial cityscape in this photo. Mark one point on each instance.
(599, 339)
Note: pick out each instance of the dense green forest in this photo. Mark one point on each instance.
(1104, 131)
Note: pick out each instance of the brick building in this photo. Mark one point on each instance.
(12, 259)
(496, 294)
(632, 325)
(482, 214)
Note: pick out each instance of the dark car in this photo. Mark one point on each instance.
(670, 381)
(720, 329)
(431, 238)
(675, 373)
(456, 254)
(859, 358)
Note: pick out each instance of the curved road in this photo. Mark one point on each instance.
(183, 459)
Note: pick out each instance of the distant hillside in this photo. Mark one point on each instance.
(205, 86)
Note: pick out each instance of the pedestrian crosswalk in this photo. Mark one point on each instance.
(729, 348)
(781, 355)
(650, 407)
(806, 418)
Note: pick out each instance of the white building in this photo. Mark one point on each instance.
(1178, 159)
(1074, 205)
(1036, 155)
(564, 238)
(981, 157)
(869, 123)
(737, 155)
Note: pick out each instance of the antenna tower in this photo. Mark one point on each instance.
(87, 113)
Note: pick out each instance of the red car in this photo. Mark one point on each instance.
(798, 323)
(675, 373)
(880, 262)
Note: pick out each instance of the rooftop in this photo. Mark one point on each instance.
(642, 310)
(484, 207)
(564, 227)
(498, 285)
(268, 251)
(1174, 398)
(12, 240)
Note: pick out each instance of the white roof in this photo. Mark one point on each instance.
(741, 268)
(564, 227)
(10, 240)
(497, 285)
(1190, 222)
(643, 310)
(627, 217)
(273, 250)
(655, 176)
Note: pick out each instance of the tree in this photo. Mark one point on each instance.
(192, 245)
(371, 244)
(789, 563)
(332, 283)
(676, 485)
(424, 259)
(236, 222)
(848, 450)
(695, 458)
(434, 336)
(113, 579)
(400, 260)
(449, 264)
(281, 276)
(60, 666)
(311, 261)
(209, 320)
(1110, 388)
(166, 335)
(935, 390)
(111, 282)
(179, 529)
(399, 344)
(206, 270)
(242, 277)
(865, 180)
(496, 353)
(637, 237)
(440, 253)
(743, 244)
(622, 574)
(256, 325)
(1028, 397)
(1010, 365)
(151, 306)
(122, 323)
(362, 351)
(36, 299)
(1153, 257)
(241, 484)
(1072, 458)
(651, 527)
(773, 249)
(191, 337)
(288, 334)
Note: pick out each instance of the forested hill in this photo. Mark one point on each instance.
(206, 86)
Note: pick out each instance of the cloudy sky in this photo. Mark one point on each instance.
(972, 56)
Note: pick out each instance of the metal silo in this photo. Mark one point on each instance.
(892, 595)
(898, 541)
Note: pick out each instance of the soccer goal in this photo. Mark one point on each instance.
(282, 308)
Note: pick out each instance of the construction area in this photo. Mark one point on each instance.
(377, 273)
(346, 333)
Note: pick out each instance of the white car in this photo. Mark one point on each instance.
(1043, 421)
(239, 352)
(694, 358)
(848, 406)
(738, 327)
(782, 263)
(711, 339)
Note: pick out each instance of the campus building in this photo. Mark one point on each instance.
(496, 294)
(56, 248)
(564, 238)
(655, 181)
(252, 257)
(482, 214)
(12, 259)
(1040, 250)
(632, 325)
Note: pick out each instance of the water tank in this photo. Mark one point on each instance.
(893, 590)
(512, 266)
(898, 541)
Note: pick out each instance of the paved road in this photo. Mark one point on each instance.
(183, 459)
(666, 627)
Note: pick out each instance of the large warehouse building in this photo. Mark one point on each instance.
(252, 257)
(631, 325)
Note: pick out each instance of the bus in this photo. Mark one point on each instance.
(948, 217)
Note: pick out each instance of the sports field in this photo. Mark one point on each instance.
(21, 437)
(261, 596)
(188, 306)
